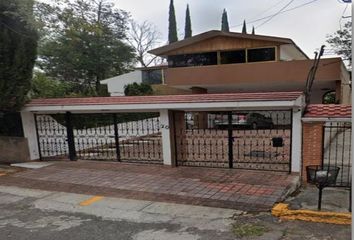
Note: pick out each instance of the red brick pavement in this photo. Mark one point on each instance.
(230, 188)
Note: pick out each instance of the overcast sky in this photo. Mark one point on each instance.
(307, 25)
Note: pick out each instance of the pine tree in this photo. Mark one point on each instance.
(244, 27)
(253, 31)
(18, 50)
(188, 25)
(172, 28)
(225, 22)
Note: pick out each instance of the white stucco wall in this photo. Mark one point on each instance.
(29, 129)
(116, 84)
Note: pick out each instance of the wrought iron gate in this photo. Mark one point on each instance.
(258, 140)
(126, 137)
(52, 137)
(337, 150)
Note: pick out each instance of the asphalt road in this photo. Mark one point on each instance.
(42, 215)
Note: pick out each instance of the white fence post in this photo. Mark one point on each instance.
(166, 137)
(29, 129)
(296, 156)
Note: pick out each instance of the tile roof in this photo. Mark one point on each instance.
(194, 98)
(328, 111)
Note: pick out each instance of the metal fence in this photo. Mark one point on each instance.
(258, 140)
(127, 137)
(337, 150)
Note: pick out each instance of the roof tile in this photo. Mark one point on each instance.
(329, 110)
(194, 98)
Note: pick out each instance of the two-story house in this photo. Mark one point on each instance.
(226, 62)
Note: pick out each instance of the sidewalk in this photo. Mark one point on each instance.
(333, 199)
(228, 188)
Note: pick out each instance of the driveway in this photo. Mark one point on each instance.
(227, 188)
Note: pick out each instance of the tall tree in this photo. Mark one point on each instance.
(84, 42)
(244, 27)
(18, 44)
(172, 24)
(142, 38)
(225, 22)
(188, 24)
(341, 42)
(253, 31)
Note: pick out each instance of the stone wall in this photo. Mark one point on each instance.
(13, 150)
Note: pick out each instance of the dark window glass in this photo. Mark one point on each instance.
(188, 60)
(261, 55)
(152, 76)
(233, 57)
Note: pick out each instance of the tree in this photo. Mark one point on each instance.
(188, 24)
(84, 42)
(329, 98)
(224, 22)
(44, 87)
(172, 25)
(253, 31)
(244, 27)
(18, 44)
(142, 38)
(135, 89)
(341, 42)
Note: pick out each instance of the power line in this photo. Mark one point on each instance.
(276, 14)
(270, 8)
(288, 10)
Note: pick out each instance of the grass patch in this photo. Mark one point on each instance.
(248, 230)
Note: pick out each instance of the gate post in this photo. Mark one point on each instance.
(116, 136)
(166, 127)
(230, 139)
(70, 136)
(29, 130)
(296, 141)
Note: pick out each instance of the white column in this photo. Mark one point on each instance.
(166, 137)
(29, 129)
(296, 156)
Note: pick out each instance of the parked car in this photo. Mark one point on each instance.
(244, 120)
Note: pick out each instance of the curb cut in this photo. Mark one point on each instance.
(282, 211)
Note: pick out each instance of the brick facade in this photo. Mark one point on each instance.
(312, 145)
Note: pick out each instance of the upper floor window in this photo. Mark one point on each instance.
(196, 59)
(261, 54)
(226, 57)
(153, 76)
(230, 57)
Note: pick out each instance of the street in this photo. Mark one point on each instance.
(37, 214)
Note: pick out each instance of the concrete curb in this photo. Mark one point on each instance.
(295, 185)
(282, 211)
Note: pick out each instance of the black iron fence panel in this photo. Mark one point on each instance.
(94, 136)
(126, 137)
(52, 136)
(259, 140)
(140, 141)
(337, 150)
(263, 140)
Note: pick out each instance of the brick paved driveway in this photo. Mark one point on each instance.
(229, 188)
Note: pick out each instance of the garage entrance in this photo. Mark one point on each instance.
(257, 140)
(125, 137)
